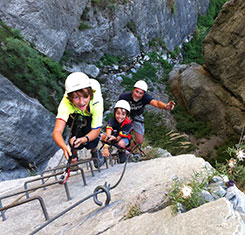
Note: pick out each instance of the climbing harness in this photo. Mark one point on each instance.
(82, 123)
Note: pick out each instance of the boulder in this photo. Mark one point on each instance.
(223, 48)
(207, 100)
(26, 133)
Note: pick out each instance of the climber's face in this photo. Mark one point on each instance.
(80, 101)
(137, 94)
(120, 115)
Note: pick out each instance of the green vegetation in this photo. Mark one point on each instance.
(146, 72)
(108, 59)
(134, 210)
(106, 3)
(164, 64)
(108, 6)
(131, 25)
(188, 124)
(156, 42)
(83, 26)
(157, 135)
(234, 168)
(171, 5)
(193, 49)
(175, 52)
(222, 156)
(36, 75)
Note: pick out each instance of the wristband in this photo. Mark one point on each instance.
(87, 138)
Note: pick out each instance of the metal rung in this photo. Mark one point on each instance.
(3, 209)
(45, 185)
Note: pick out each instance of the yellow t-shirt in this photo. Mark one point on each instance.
(96, 107)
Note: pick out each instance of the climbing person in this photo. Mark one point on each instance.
(118, 130)
(82, 110)
(138, 99)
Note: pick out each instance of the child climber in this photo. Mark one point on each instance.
(82, 109)
(118, 129)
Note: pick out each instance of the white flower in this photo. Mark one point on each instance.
(240, 155)
(225, 178)
(186, 191)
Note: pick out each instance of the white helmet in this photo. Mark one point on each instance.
(122, 104)
(76, 81)
(141, 85)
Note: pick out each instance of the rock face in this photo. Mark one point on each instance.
(25, 133)
(117, 29)
(207, 100)
(215, 93)
(224, 221)
(145, 185)
(224, 48)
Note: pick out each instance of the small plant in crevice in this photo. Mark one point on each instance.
(185, 196)
(134, 210)
(175, 52)
(151, 154)
(84, 26)
(131, 25)
(171, 5)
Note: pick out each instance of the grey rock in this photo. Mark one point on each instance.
(217, 191)
(163, 152)
(130, 75)
(133, 70)
(237, 198)
(217, 179)
(207, 196)
(115, 67)
(124, 44)
(25, 134)
(180, 208)
(91, 70)
(214, 93)
(47, 24)
(224, 221)
(54, 26)
(119, 78)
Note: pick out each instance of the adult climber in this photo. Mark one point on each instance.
(138, 99)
